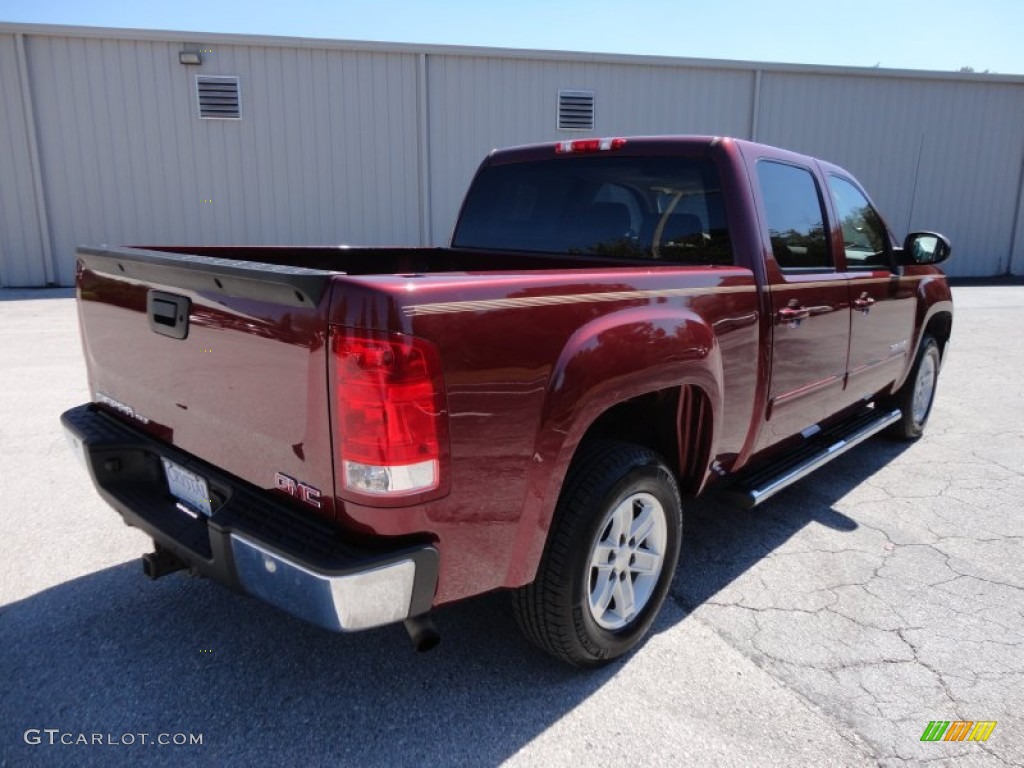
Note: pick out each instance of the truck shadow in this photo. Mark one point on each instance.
(112, 653)
(722, 541)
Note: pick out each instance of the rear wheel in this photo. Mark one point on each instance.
(917, 394)
(611, 555)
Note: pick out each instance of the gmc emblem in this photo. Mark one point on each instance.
(302, 491)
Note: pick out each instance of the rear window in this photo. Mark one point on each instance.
(666, 208)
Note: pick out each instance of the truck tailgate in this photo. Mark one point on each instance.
(225, 360)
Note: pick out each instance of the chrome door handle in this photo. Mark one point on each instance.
(788, 314)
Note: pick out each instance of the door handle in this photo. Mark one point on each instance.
(864, 302)
(789, 314)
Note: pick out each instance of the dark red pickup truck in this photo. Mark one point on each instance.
(359, 435)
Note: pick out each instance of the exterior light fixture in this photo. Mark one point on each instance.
(189, 57)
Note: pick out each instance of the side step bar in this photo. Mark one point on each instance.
(763, 485)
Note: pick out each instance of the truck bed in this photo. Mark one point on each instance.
(401, 260)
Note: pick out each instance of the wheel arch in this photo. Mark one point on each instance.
(676, 423)
(940, 327)
(608, 385)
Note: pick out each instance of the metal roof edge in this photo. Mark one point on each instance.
(184, 37)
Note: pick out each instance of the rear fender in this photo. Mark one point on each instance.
(611, 360)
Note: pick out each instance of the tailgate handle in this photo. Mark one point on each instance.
(168, 314)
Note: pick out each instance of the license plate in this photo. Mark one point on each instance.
(187, 487)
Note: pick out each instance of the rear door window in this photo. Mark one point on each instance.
(796, 218)
(657, 208)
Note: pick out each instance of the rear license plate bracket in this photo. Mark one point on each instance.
(188, 487)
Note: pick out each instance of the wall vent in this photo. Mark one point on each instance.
(575, 110)
(218, 97)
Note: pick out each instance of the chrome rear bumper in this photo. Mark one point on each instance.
(252, 542)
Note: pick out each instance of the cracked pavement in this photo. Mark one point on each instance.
(827, 627)
(888, 588)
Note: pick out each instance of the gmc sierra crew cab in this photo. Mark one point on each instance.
(359, 435)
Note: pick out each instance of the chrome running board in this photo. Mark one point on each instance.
(762, 485)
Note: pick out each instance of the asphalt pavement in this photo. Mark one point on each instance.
(828, 627)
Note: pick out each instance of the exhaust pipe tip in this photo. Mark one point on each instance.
(423, 633)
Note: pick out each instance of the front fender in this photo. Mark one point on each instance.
(608, 361)
(933, 298)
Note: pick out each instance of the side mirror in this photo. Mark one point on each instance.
(923, 248)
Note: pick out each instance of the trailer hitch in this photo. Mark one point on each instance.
(161, 562)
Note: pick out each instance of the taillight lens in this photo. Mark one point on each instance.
(391, 422)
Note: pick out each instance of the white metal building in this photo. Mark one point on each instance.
(111, 136)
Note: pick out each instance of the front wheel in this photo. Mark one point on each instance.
(611, 555)
(917, 394)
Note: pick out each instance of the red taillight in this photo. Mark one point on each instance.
(391, 426)
(589, 145)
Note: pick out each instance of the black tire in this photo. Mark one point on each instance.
(916, 406)
(607, 483)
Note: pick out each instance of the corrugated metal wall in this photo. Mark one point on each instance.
(324, 152)
(375, 144)
(479, 103)
(933, 154)
(22, 255)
